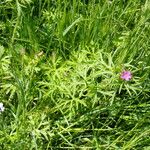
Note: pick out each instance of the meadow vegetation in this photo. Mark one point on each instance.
(60, 68)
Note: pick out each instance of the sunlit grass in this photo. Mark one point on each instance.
(61, 66)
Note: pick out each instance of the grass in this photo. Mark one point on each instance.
(60, 67)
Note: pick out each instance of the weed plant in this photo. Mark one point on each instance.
(60, 74)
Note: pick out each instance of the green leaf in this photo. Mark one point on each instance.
(1, 51)
(68, 28)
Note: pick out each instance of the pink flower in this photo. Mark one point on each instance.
(126, 75)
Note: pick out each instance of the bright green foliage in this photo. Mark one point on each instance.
(60, 67)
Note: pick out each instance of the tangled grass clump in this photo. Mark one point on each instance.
(74, 75)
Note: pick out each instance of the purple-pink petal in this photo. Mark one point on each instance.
(126, 75)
